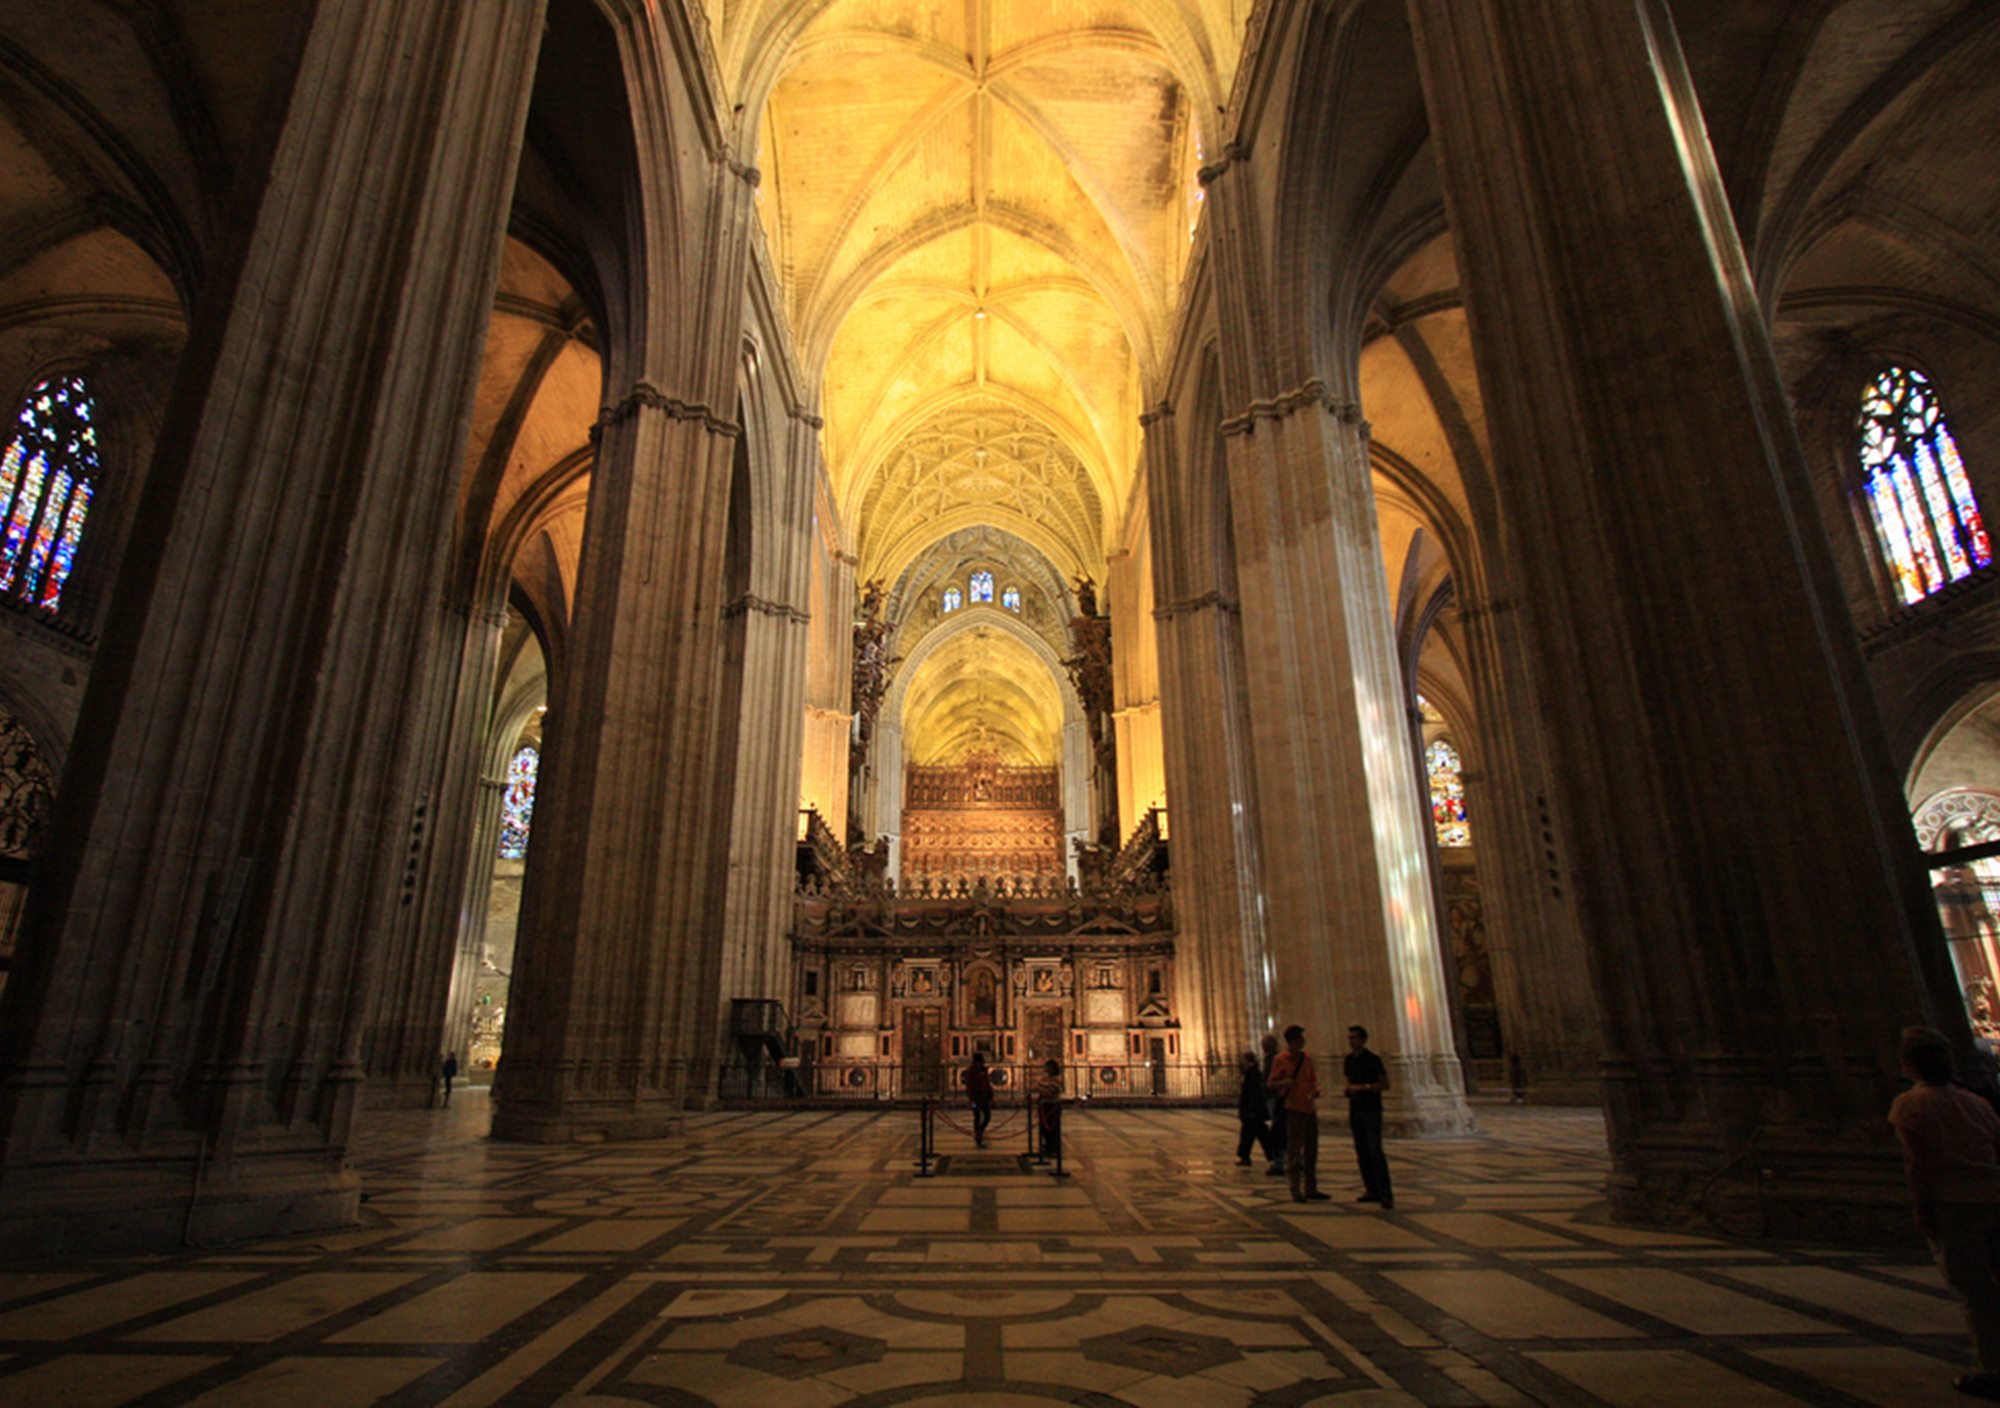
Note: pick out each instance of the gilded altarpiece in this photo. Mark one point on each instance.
(894, 990)
(982, 818)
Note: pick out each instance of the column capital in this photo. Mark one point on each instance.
(1312, 392)
(1230, 155)
(1196, 603)
(648, 396)
(749, 602)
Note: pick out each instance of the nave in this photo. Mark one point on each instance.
(793, 1257)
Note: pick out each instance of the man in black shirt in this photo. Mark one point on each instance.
(1367, 1078)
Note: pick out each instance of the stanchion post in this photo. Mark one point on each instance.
(924, 1139)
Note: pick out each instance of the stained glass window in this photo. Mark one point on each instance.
(981, 587)
(952, 599)
(1011, 598)
(46, 477)
(517, 805)
(1922, 503)
(1447, 794)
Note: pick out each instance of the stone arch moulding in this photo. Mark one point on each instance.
(1970, 813)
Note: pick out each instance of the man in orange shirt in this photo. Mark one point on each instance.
(1296, 1084)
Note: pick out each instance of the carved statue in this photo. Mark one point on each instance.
(872, 634)
(1086, 595)
(1089, 666)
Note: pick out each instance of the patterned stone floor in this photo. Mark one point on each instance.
(791, 1259)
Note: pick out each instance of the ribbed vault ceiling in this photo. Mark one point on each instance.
(980, 213)
(983, 690)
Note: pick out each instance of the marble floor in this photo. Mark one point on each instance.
(779, 1259)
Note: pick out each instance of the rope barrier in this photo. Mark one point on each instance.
(1013, 1113)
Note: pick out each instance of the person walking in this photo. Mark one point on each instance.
(1951, 1151)
(450, 1073)
(1367, 1078)
(1253, 1106)
(1296, 1083)
(978, 1083)
(1276, 1111)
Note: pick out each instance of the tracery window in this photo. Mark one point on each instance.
(980, 588)
(952, 599)
(1011, 599)
(1925, 514)
(46, 476)
(1447, 794)
(517, 805)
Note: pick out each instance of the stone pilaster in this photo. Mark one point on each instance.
(182, 1044)
(1754, 908)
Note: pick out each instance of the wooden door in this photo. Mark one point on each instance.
(1046, 1029)
(923, 1050)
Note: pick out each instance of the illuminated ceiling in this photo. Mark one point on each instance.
(982, 688)
(980, 213)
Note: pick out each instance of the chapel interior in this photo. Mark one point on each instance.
(708, 557)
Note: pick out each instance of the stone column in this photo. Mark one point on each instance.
(1350, 924)
(1351, 928)
(182, 1042)
(1221, 972)
(469, 945)
(888, 791)
(1135, 670)
(1541, 970)
(1079, 766)
(758, 849)
(1755, 910)
(607, 997)
(427, 945)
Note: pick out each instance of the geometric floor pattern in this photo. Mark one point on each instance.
(791, 1259)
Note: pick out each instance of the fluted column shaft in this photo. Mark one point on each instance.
(1222, 994)
(758, 850)
(1757, 916)
(1541, 972)
(426, 950)
(611, 912)
(1349, 916)
(233, 838)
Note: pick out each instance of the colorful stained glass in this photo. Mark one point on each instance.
(1447, 794)
(953, 599)
(46, 474)
(980, 588)
(517, 805)
(1925, 513)
(1011, 598)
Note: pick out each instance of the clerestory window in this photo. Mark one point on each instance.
(1447, 794)
(517, 804)
(1927, 520)
(48, 474)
